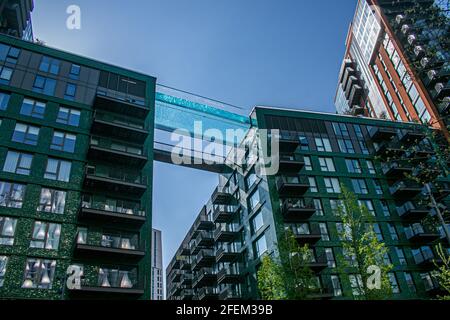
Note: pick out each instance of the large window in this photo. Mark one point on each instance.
(9, 54)
(5, 75)
(323, 144)
(312, 185)
(71, 90)
(44, 85)
(33, 108)
(7, 231)
(394, 283)
(360, 186)
(332, 185)
(410, 282)
(260, 245)
(308, 164)
(370, 166)
(401, 256)
(257, 222)
(19, 163)
(45, 235)
(3, 264)
(340, 129)
(324, 231)
(52, 201)
(318, 206)
(117, 278)
(63, 142)
(119, 240)
(326, 164)
(368, 204)
(377, 186)
(11, 195)
(58, 170)
(74, 73)
(250, 179)
(337, 287)
(254, 200)
(26, 134)
(49, 65)
(330, 257)
(335, 204)
(353, 166)
(346, 145)
(39, 273)
(68, 116)
(4, 100)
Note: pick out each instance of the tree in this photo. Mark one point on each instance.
(288, 277)
(443, 271)
(363, 253)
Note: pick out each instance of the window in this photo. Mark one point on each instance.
(26, 134)
(260, 246)
(52, 201)
(71, 90)
(33, 108)
(392, 231)
(254, 200)
(377, 187)
(11, 195)
(44, 85)
(330, 257)
(401, 256)
(337, 287)
(5, 74)
(363, 147)
(344, 231)
(45, 235)
(368, 204)
(250, 179)
(4, 100)
(335, 204)
(332, 185)
(257, 222)
(49, 65)
(356, 284)
(360, 186)
(327, 164)
(304, 145)
(312, 185)
(346, 145)
(376, 228)
(7, 231)
(353, 166)
(39, 273)
(82, 235)
(18, 163)
(58, 170)
(385, 208)
(323, 144)
(394, 283)
(9, 54)
(74, 72)
(63, 142)
(68, 116)
(410, 282)
(3, 263)
(318, 206)
(324, 231)
(308, 164)
(340, 129)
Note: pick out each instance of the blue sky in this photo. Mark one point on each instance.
(284, 53)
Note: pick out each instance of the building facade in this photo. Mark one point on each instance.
(157, 266)
(249, 211)
(396, 64)
(76, 157)
(15, 18)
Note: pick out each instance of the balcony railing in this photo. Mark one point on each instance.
(123, 128)
(408, 137)
(222, 196)
(382, 133)
(121, 103)
(116, 151)
(204, 277)
(411, 212)
(405, 189)
(297, 209)
(226, 232)
(224, 213)
(292, 185)
(228, 253)
(107, 212)
(396, 169)
(290, 163)
(206, 293)
(424, 257)
(308, 235)
(420, 234)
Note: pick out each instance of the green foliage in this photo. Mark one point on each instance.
(361, 248)
(443, 271)
(270, 280)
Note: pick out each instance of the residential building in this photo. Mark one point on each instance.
(249, 211)
(396, 64)
(157, 266)
(15, 18)
(76, 159)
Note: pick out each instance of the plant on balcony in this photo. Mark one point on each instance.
(362, 248)
(443, 271)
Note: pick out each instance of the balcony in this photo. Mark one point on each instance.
(111, 248)
(175, 276)
(388, 149)
(290, 163)
(185, 265)
(203, 239)
(355, 95)
(224, 214)
(202, 223)
(310, 235)
(231, 275)
(426, 259)
(207, 293)
(226, 233)
(318, 264)
(324, 292)
(357, 110)
(227, 254)
(186, 294)
(396, 169)
(297, 209)
(119, 103)
(405, 190)
(174, 264)
(204, 258)
(229, 293)
(115, 181)
(444, 106)
(186, 279)
(378, 134)
(118, 153)
(288, 143)
(119, 127)
(410, 137)
(432, 287)
(409, 211)
(123, 284)
(419, 234)
(222, 196)
(102, 212)
(441, 189)
(204, 277)
(292, 186)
